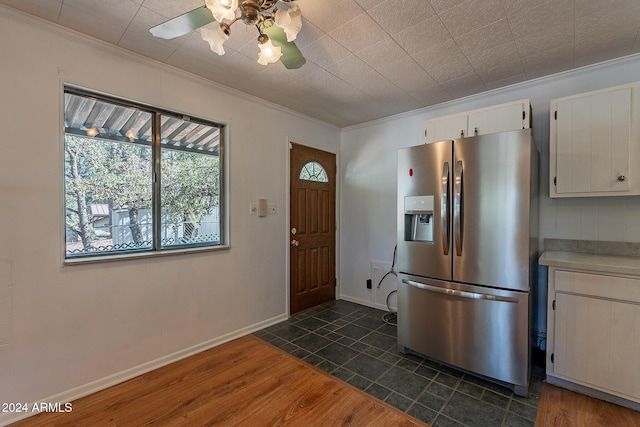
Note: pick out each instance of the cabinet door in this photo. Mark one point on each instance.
(593, 138)
(597, 342)
(500, 119)
(451, 127)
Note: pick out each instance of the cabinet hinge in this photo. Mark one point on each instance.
(554, 304)
(555, 181)
(524, 115)
(555, 115)
(551, 357)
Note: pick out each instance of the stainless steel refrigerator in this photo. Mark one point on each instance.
(467, 244)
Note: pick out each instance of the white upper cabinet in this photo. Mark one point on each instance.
(594, 143)
(504, 117)
(501, 118)
(450, 127)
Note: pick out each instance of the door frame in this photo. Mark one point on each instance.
(288, 221)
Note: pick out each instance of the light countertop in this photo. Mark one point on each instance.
(592, 262)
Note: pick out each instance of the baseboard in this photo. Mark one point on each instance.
(119, 377)
(569, 385)
(364, 302)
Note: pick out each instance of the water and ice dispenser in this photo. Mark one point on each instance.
(418, 218)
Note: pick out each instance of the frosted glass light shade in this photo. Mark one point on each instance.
(268, 53)
(222, 9)
(290, 21)
(216, 37)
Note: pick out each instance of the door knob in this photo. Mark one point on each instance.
(295, 243)
(294, 231)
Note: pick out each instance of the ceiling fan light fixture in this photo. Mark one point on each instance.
(268, 52)
(290, 21)
(250, 12)
(216, 36)
(222, 9)
(278, 23)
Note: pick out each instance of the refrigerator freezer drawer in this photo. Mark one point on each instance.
(478, 329)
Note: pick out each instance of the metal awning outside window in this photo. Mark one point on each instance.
(86, 116)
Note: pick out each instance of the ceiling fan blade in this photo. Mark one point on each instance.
(183, 24)
(291, 56)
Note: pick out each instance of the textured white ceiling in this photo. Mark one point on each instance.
(368, 59)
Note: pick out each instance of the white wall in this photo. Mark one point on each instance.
(66, 330)
(368, 180)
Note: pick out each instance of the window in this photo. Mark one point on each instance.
(313, 171)
(139, 179)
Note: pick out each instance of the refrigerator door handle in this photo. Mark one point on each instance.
(457, 209)
(457, 293)
(444, 208)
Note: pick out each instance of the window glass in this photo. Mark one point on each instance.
(190, 190)
(313, 171)
(111, 196)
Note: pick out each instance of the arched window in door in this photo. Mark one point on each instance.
(313, 171)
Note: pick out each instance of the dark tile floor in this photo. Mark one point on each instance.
(352, 342)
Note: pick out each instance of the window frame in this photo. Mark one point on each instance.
(156, 184)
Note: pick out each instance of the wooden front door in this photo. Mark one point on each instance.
(312, 234)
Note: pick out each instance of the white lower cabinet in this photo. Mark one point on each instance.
(594, 331)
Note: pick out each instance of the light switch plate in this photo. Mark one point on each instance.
(262, 207)
(271, 208)
(253, 209)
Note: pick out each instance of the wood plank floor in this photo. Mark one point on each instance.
(248, 382)
(560, 407)
(245, 382)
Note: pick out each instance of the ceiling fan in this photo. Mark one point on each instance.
(278, 22)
